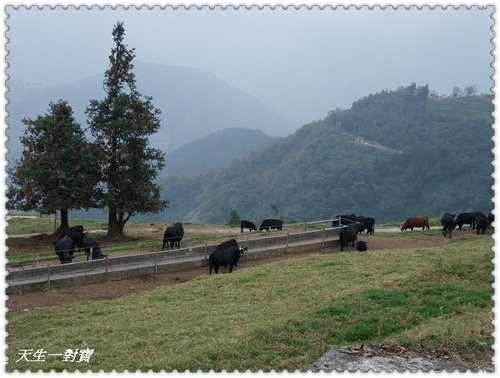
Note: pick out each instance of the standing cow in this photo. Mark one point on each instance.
(247, 224)
(173, 236)
(268, 224)
(76, 233)
(482, 223)
(65, 249)
(348, 235)
(448, 223)
(345, 219)
(416, 221)
(367, 224)
(467, 218)
(90, 244)
(226, 254)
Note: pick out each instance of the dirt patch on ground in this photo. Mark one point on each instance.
(114, 289)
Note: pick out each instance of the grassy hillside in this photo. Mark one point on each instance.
(390, 156)
(282, 315)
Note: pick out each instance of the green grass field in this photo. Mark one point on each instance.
(281, 315)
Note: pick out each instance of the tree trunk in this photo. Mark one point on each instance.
(114, 228)
(64, 219)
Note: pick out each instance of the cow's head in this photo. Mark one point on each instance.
(243, 251)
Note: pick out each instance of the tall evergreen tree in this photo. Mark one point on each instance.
(57, 170)
(121, 124)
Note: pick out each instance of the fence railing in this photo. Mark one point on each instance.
(152, 262)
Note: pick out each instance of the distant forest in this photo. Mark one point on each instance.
(391, 155)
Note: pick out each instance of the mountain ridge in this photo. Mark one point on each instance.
(320, 170)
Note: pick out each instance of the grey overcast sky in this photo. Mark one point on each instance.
(303, 63)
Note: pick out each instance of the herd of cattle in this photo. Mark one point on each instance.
(228, 253)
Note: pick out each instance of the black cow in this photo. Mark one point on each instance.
(268, 224)
(482, 223)
(466, 218)
(491, 218)
(345, 219)
(361, 246)
(90, 244)
(367, 224)
(232, 243)
(65, 249)
(226, 254)
(173, 236)
(247, 224)
(448, 223)
(75, 233)
(348, 234)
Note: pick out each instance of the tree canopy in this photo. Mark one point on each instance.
(57, 169)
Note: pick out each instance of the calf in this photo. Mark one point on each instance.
(247, 224)
(225, 255)
(448, 223)
(173, 236)
(361, 246)
(348, 234)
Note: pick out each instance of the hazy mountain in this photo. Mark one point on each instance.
(391, 155)
(194, 103)
(213, 152)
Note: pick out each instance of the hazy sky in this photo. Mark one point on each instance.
(303, 63)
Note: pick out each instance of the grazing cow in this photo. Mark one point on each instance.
(268, 224)
(491, 218)
(173, 236)
(482, 223)
(346, 219)
(448, 223)
(348, 234)
(247, 224)
(91, 244)
(416, 221)
(367, 224)
(466, 218)
(65, 248)
(361, 246)
(226, 254)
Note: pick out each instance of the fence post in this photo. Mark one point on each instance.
(106, 270)
(48, 276)
(287, 241)
(156, 264)
(323, 241)
(205, 255)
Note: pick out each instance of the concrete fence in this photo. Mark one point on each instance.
(122, 267)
